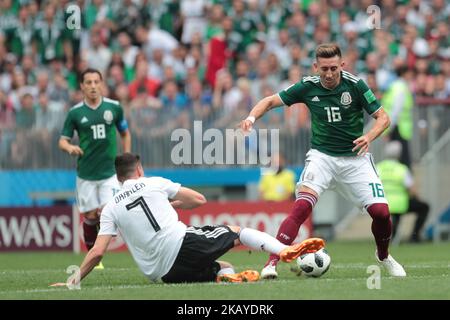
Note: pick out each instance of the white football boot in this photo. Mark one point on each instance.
(269, 271)
(394, 268)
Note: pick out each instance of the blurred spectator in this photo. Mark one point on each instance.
(214, 27)
(264, 76)
(143, 83)
(236, 99)
(128, 53)
(277, 184)
(199, 100)
(144, 112)
(194, 19)
(20, 88)
(115, 76)
(398, 185)
(127, 17)
(98, 12)
(26, 116)
(217, 58)
(20, 150)
(48, 115)
(156, 64)
(154, 38)
(174, 102)
(7, 116)
(29, 69)
(176, 61)
(20, 36)
(48, 39)
(253, 56)
(398, 102)
(97, 54)
(7, 126)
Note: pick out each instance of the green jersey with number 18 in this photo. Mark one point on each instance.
(96, 130)
(337, 117)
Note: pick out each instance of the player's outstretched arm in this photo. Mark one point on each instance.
(382, 122)
(259, 110)
(93, 257)
(71, 149)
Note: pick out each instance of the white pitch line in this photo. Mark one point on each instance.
(153, 285)
(6, 271)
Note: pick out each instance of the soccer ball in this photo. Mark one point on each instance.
(314, 264)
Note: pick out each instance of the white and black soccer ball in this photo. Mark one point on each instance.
(314, 264)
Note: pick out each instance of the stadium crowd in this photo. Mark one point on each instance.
(172, 62)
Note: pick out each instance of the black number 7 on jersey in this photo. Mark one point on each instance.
(141, 202)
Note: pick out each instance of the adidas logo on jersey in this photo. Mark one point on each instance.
(316, 98)
(84, 120)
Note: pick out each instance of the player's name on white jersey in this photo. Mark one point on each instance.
(125, 194)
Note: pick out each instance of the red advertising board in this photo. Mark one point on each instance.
(37, 229)
(264, 216)
(53, 228)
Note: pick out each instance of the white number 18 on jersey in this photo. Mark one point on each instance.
(98, 131)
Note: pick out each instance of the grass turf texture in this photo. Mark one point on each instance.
(27, 276)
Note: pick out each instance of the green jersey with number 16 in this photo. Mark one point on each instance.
(337, 117)
(96, 130)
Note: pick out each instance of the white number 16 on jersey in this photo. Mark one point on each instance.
(333, 114)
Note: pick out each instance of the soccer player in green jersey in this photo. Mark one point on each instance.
(95, 119)
(339, 157)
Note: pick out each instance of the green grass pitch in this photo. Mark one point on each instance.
(27, 276)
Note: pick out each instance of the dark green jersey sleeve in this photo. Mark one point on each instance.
(68, 127)
(295, 93)
(368, 100)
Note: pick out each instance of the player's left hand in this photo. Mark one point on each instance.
(362, 144)
(58, 284)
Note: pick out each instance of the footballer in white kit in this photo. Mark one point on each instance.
(163, 247)
(157, 235)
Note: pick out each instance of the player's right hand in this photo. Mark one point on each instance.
(75, 151)
(58, 284)
(246, 125)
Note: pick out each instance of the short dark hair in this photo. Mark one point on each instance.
(90, 70)
(125, 165)
(328, 50)
(401, 70)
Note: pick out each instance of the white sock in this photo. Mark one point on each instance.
(225, 271)
(260, 241)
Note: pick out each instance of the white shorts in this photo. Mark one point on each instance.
(355, 178)
(95, 194)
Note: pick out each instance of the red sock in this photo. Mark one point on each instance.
(90, 231)
(288, 230)
(381, 227)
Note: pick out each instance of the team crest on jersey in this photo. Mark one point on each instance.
(108, 116)
(346, 98)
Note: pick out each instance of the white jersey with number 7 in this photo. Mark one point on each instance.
(148, 223)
